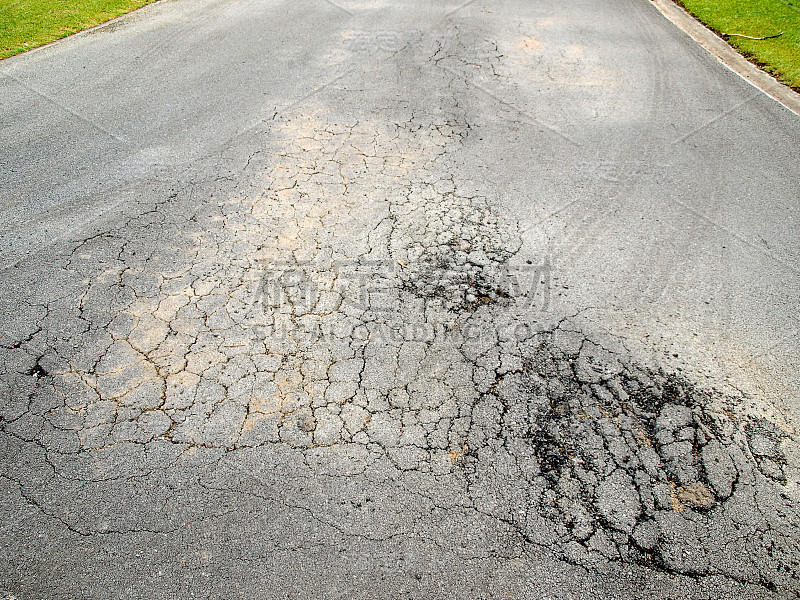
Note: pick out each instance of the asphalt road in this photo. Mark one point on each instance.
(396, 300)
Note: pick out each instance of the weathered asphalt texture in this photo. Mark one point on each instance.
(396, 300)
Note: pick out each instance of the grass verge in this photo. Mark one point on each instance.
(26, 24)
(777, 20)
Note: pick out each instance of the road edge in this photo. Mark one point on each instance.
(83, 32)
(729, 57)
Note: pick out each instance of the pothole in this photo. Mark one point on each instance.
(583, 450)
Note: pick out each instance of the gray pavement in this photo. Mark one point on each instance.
(396, 300)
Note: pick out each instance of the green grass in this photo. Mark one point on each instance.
(757, 18)
(26, 24)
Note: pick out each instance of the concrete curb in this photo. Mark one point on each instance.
(82, 33)
(728, 56)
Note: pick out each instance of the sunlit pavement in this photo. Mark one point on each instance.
(396, 300)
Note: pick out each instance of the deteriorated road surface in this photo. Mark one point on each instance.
(396, 300)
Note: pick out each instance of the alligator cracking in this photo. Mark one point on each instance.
(349, 301)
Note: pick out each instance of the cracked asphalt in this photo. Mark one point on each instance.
(396, 300)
